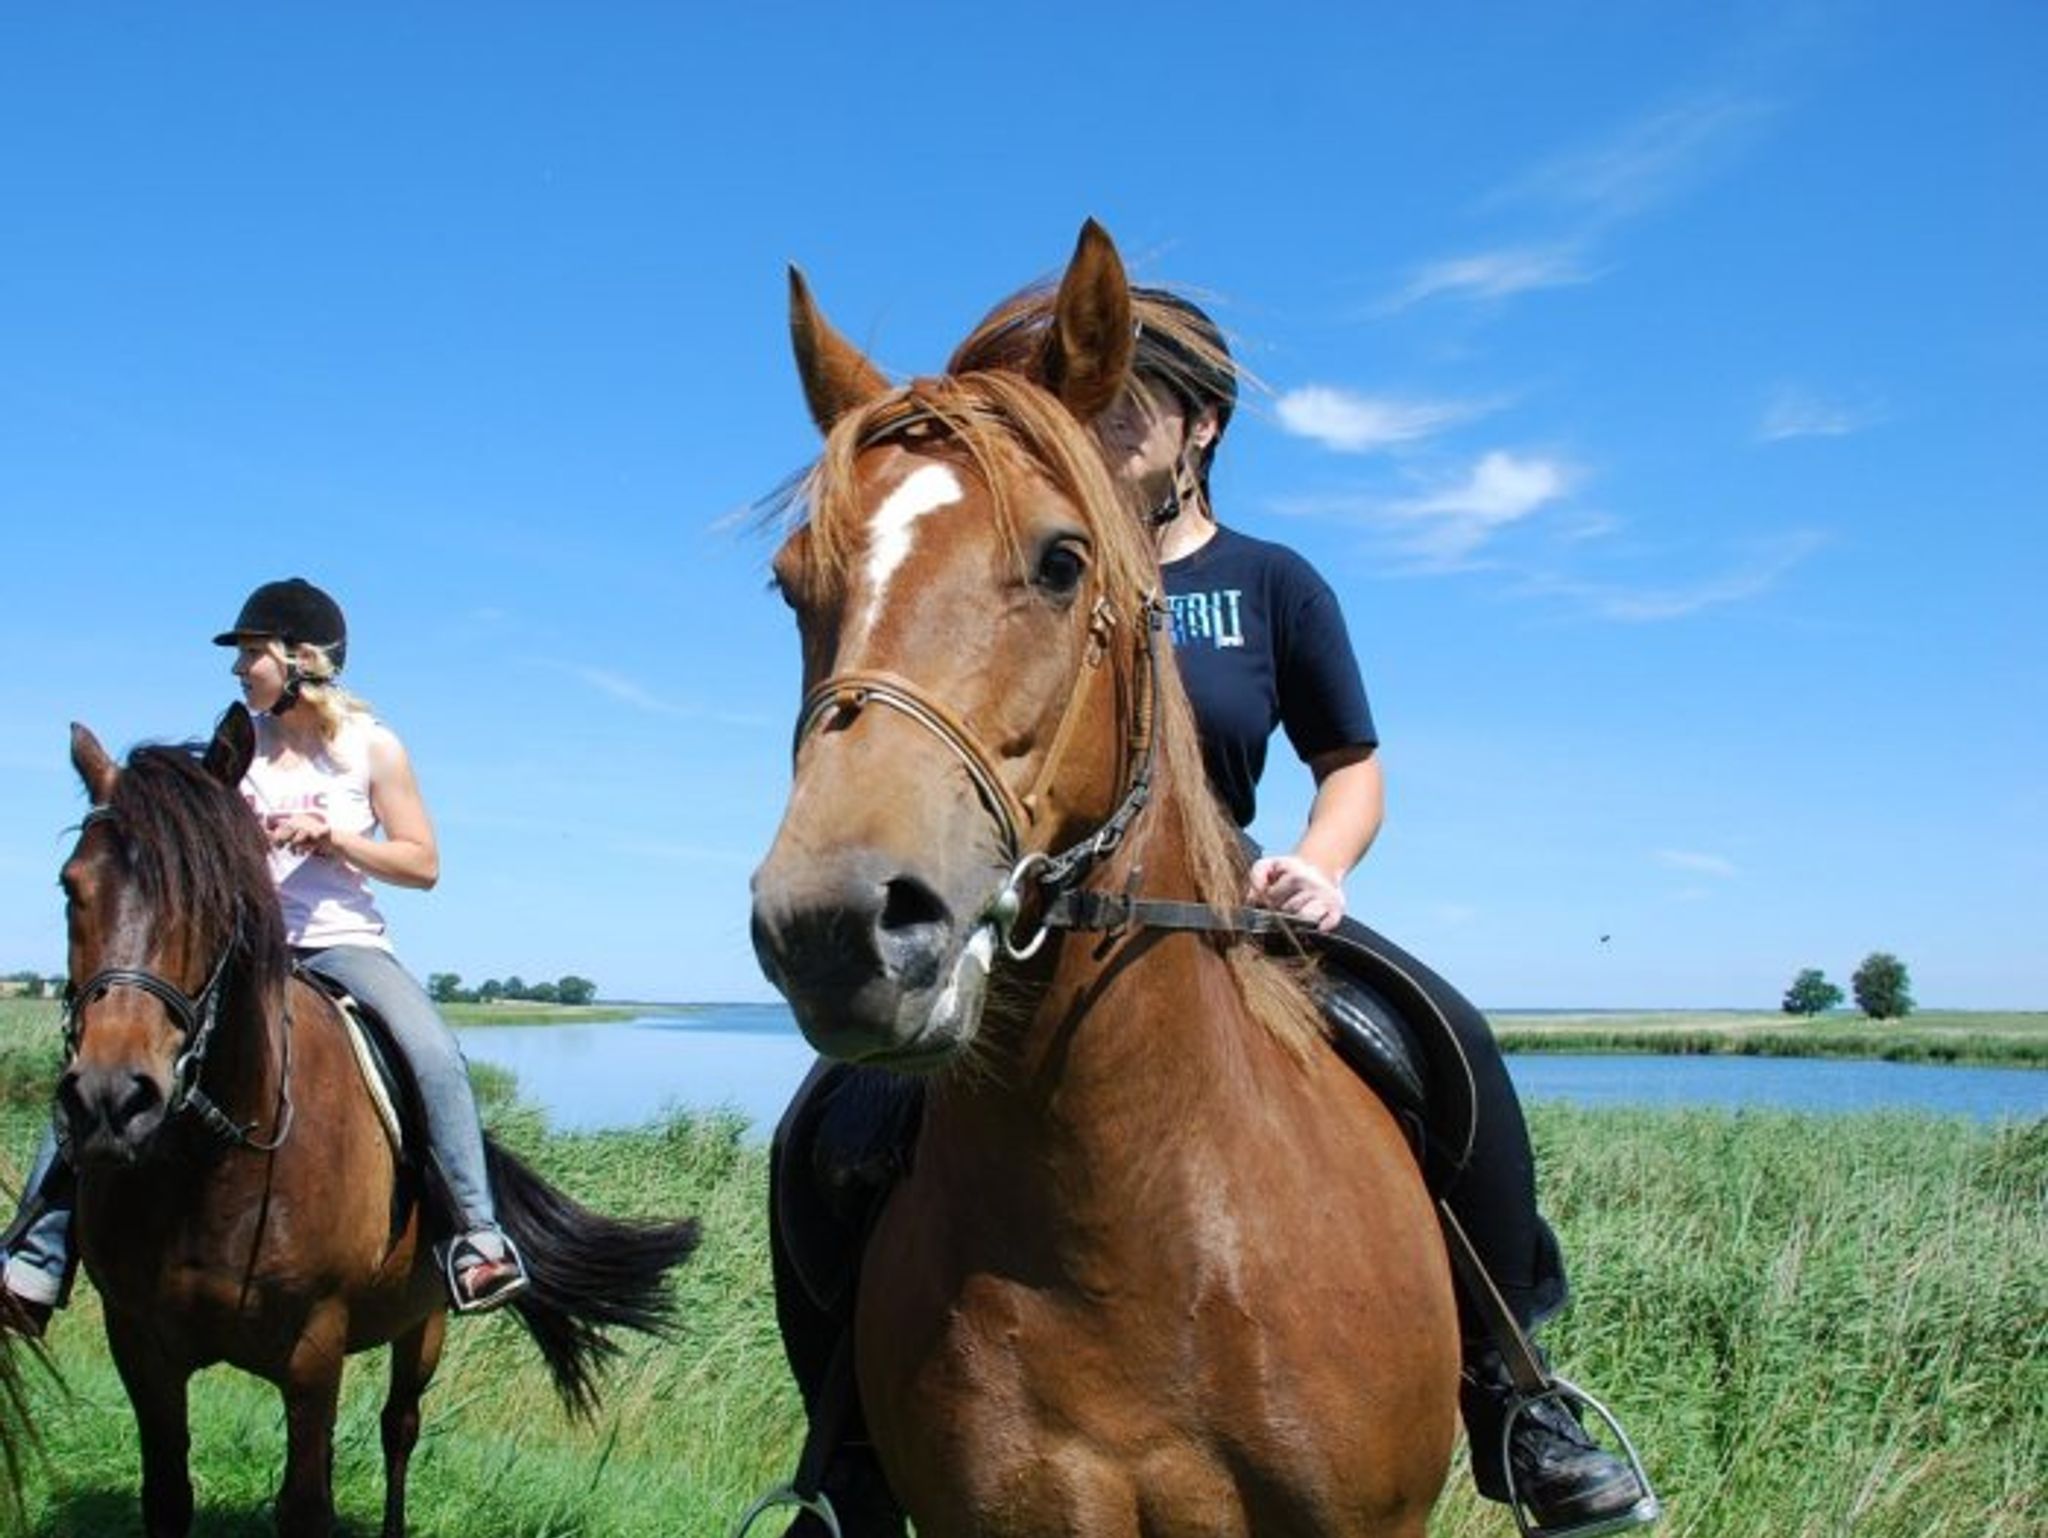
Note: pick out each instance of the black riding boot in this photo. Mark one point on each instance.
(1567, 1482)
(840, 1148)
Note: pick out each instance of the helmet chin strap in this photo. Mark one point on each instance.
(1169, 505)
(294, 681)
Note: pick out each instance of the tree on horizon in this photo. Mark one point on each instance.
(1882, 987)
(1811, 993)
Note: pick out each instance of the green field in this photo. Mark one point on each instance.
(1813, 1327)
(523, 1012)
(1985, 1038)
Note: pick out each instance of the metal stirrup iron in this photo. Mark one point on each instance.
(1533, 1383)
(1647, 1508)
(828, 1416)
(819, 1506)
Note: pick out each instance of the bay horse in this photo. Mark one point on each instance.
(1161, 1265)
(238, 1199)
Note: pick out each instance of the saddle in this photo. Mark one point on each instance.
(389, 1087)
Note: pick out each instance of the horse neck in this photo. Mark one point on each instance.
(1117, 1064)
(243, 1061)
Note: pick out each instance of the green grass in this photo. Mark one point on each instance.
(2013, 1039)
(1982, 1038)
(1812, 1327)
(525, 1012)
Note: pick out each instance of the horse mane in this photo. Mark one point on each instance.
(197, 851)
(993, 420)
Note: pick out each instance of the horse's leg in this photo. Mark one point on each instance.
(312, 1389)
(414, 1355)
(156, 1388)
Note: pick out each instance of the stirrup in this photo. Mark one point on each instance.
(819, 1506)
(506, 1292)
(1646, 1510)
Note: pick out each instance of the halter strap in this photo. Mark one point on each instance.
(195, 1016)
(845, 694)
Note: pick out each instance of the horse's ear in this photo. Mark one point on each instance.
(1088, 352)
(94, 766)
(837, 375)
(233, 746)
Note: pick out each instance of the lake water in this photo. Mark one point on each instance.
(749, 1057)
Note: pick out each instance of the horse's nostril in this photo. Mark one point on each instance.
(139, 1101)
(908, 903)
(68, 1097)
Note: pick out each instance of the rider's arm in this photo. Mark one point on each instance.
(407, 854)
(1343, 820)
(1345, 816)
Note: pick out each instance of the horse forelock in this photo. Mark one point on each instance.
(994, 425)
(197, 853)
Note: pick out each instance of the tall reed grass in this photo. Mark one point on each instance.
(1812, 1326)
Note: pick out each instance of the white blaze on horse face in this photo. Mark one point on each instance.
(925, 490)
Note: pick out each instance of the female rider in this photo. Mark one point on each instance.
(1260, 642)
(327, 780)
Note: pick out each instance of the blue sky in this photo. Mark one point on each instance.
(1654, 384)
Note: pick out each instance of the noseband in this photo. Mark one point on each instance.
(195, 1016)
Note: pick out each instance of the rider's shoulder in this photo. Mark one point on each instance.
(1279, 562)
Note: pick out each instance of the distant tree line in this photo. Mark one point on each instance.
(29, 984)
(1881, 985)
(446, 988)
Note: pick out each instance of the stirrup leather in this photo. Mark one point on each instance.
(1646, 1510)
(819, 1506)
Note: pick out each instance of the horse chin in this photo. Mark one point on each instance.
(913, 1030)
(126, 1149)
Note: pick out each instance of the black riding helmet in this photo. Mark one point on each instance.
(295, 612)
(1182, 349)
(292, 611)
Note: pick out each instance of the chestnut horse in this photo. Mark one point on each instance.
(238, 1200)
(1162, 1266)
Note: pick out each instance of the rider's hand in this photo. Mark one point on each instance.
(1289, 884)
(302, 833)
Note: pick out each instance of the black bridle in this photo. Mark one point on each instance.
(195, 1015)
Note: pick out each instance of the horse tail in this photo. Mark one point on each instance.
(589, 1274)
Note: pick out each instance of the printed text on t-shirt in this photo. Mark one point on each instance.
(1211, 617)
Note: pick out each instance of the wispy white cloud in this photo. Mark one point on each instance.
(1589, 190)
(1796, 413)
(1697, 863)
(1443, 527)
(1644, 603)
(1644, 163)
(630, 692)
(626, 691)
(1587, 524)
(1351, 423)
(1494, 274)
(1447, 526)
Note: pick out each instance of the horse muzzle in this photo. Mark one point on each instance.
(113, 1113)
(873, 960)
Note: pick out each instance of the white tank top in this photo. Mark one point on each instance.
(326, 900)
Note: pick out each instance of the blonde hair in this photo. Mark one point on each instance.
(320, 689)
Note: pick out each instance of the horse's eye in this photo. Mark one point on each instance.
(1060, 569)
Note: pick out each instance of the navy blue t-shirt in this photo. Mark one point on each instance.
(1261, 643)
